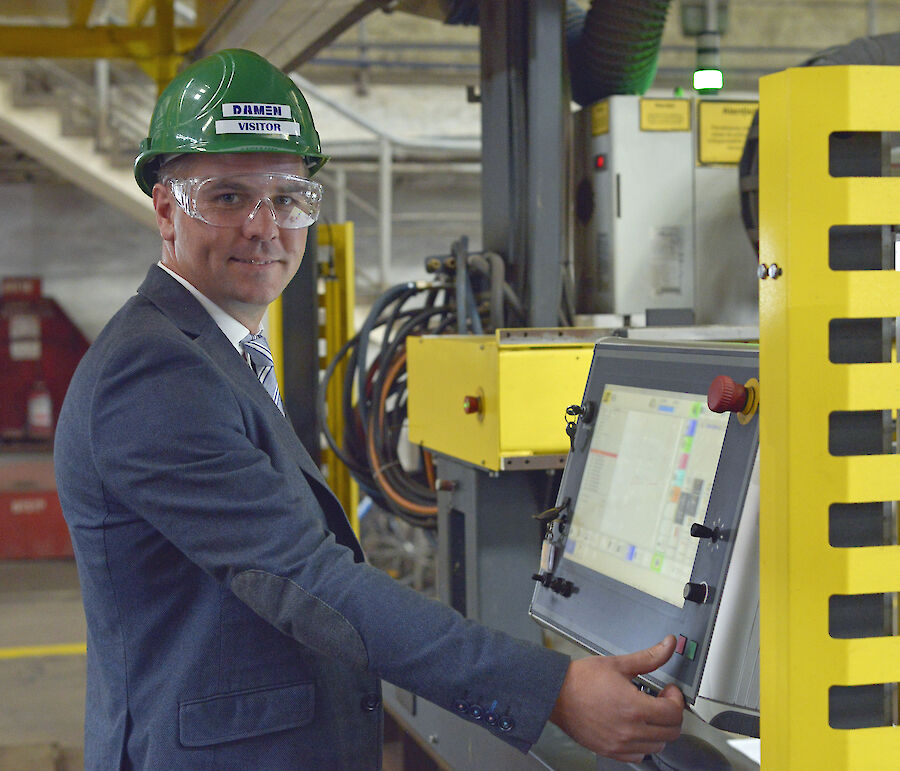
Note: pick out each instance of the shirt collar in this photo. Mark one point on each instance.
(230, 326)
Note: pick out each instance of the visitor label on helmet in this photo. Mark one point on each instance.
(287, 128)
(255, 110)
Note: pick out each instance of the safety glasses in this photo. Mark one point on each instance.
(229, 201)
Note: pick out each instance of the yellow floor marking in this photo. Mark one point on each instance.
(34, 651)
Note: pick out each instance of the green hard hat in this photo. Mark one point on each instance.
(232, 101)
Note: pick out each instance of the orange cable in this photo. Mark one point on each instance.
(373, 455)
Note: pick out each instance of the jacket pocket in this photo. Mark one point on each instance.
(243, 714)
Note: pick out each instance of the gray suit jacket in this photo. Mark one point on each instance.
(232, 621)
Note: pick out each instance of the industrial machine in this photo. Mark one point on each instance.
(655, 528)
(39, 350)
(658, 234)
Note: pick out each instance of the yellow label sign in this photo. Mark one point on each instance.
(600, 118)
(665, 115)
(722, 130)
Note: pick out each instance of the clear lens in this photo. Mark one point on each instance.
(230, 201)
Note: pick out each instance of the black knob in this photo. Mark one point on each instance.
(562, 586)
(702, 531)
(696, 592)
(543, 579)
(370, 702)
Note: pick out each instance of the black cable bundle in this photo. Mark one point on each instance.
(373, 423)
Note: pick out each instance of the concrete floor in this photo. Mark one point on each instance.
(42, 719)
(42, 715)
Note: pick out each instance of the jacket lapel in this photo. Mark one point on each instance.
(180, 306)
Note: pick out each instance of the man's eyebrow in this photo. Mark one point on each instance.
(289, 186)
(217, 183)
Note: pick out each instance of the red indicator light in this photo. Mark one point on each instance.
(600, 162)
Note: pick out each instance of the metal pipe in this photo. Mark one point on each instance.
(491, 264)
(403, 167)
(446, 144)
(340, 179)
(665, 48)
(872, 17)
(101, 84)
(406, 46)
(366, 62)
(385, 175)
(354, 198)
(447, 216)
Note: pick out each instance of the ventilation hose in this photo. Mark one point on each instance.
(613, 47)
(618, 48)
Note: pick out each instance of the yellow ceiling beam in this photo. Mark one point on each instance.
(137, 10)
(106, 42)
(80, 11)
(167, 60)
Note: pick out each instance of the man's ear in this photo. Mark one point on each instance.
(164, 205)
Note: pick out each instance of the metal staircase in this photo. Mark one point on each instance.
(79, 126)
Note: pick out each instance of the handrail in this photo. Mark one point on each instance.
(128, 124)
(126, 121)
(387, 143)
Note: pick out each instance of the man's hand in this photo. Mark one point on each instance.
(601, 709)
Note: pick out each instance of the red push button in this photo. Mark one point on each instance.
(726, 395)
(471, 405)
(679, 646)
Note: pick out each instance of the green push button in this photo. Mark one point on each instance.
(690, 650)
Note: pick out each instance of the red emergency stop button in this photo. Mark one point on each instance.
(471, 404)
(726, 395)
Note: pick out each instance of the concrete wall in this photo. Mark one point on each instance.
(91, 256)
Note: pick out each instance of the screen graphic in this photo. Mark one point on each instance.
(647, 478)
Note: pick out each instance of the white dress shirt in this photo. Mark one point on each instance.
(230, 326)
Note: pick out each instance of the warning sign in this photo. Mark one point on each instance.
(722, 130)
(665, 115)
(600, 118)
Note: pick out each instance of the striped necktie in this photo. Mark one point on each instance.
(257, 348)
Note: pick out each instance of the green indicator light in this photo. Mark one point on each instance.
(691, 650)
(708, 80)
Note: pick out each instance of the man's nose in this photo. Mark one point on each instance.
(260, 223)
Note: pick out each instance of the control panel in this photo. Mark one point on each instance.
(655, 529)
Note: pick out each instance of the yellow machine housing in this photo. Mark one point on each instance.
(801, 480)
(497, 401)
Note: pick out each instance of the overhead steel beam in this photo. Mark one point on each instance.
(80, 11)
(106, 42)
(137, 10)
(279, 29)
(236, 24)
(354, 15)
(167, 60)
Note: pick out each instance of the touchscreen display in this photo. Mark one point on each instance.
(647, 478)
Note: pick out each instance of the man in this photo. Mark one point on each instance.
(232, 620)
